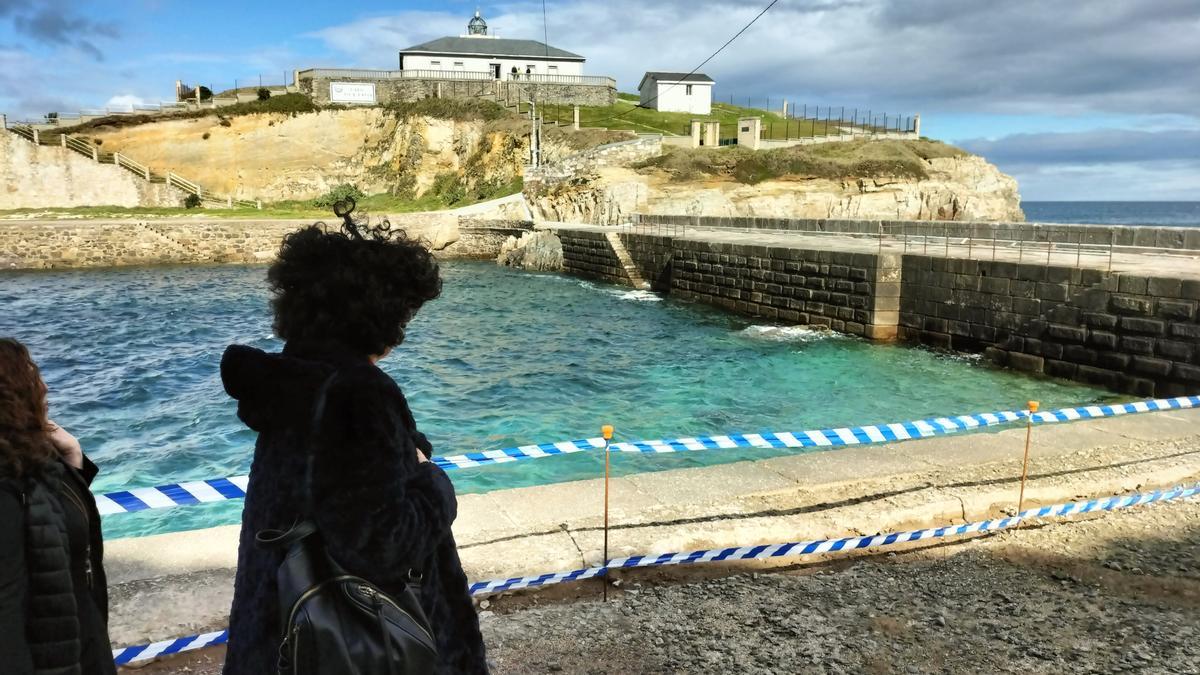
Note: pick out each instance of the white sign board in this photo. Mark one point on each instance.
(351, 92)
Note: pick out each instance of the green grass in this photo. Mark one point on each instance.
(380, 203)
(857, 159)
(625, 114)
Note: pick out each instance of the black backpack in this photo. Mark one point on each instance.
(336, 623)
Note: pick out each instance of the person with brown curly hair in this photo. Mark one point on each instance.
(356, 465)
(53, 591)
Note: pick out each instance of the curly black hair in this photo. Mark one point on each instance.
(360, 286)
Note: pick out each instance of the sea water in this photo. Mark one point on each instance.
(503, 358)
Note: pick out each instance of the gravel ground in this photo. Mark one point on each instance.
(1116, 593)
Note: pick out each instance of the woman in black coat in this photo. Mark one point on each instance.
(53, 592)
(341, 302)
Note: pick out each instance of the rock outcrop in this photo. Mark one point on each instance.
(958, 188)
(539, 251)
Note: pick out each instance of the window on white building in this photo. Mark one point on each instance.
(458, 64)
(553, 70)
(689, 90)
(532, 68)
(435, 64)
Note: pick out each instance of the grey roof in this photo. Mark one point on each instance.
(491, 47)
(676, 77)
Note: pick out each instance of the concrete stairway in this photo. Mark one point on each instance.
(92, 151)
(631, 269)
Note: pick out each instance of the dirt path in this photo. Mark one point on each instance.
(1115, 593)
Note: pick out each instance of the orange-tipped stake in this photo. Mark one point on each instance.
(1033, 408)
(607, 432)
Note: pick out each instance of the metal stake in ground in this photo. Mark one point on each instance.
(1033, 408)
(607, 432)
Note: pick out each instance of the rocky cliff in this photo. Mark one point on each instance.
(282, 156)
(958, 187)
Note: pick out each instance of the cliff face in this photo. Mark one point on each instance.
(956, 188)
(277, 157)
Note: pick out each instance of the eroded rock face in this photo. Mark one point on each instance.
(540, 251)
(276, 157)
(966, 188)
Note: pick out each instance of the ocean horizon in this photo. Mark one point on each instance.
(1168, 214)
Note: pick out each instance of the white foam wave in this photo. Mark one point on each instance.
(624, 294)
(789, 333)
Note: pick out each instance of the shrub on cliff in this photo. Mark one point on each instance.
(191, 202)
(339, 193)
(834, 161)
(264, 93)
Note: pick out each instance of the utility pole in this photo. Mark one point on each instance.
(535, 140)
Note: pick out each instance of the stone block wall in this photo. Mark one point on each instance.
(1134, 334)
(71, 244)
(589, 255)
(855, 293)
(405, 90)
(653, 256)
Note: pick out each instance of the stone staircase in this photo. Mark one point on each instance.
(78, 145)
(631, 269)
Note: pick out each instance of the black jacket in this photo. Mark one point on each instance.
(52, 621)
(380, 512)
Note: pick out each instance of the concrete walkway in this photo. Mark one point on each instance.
(180, 584)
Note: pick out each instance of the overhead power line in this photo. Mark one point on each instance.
(702, 63)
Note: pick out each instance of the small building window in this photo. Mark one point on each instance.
(458, 64)
(689, 90)
(553, 69)
(435, 64)
(531, 68)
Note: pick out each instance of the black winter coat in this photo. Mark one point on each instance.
(53, 591)
(381, 513)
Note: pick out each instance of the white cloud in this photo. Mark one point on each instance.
(124, 102)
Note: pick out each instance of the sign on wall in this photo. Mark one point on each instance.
(351, 92)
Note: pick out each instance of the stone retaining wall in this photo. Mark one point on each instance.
(1128, 333)
(69, 244)
(589, 255)
(406, 90)
(855, 293)
(1095, 235)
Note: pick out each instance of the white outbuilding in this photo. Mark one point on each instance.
(677, 92)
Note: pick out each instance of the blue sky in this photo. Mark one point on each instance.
(1087, 100)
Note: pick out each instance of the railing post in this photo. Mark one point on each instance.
(147, 173)
(37, 139)
(258, 204)
(63, 139)
(4, 120)
(95, 154)
(229, 202)
(117, 158)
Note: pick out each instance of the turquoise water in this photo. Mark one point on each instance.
(503, 358)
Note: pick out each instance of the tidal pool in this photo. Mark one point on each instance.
(503, 358)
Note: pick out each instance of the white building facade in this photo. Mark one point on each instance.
(677, 92)
(501, 59)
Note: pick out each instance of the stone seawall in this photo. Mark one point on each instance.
(589, 255)
(69, 244)
(855, 293)
(1125, 332)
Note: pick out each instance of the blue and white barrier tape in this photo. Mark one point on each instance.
(223, 489)
(760, 552)
(168, 647)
